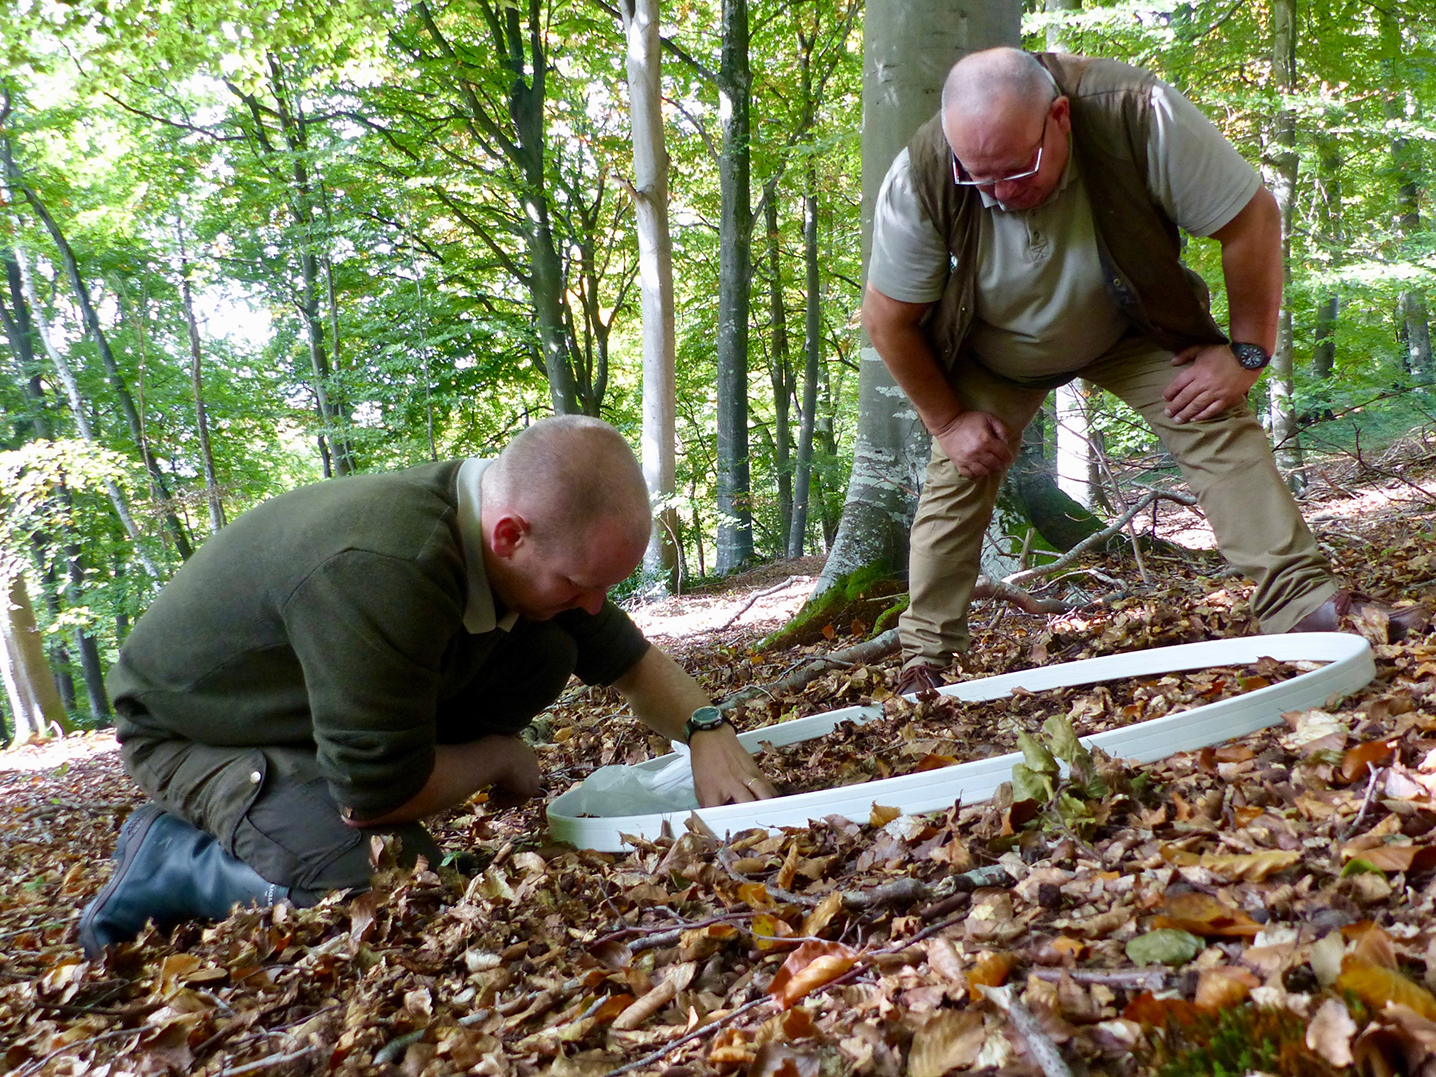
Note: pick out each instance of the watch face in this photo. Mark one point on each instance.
(1251, 356)
(706, 718)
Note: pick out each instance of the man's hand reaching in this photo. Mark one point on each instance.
(1210, 381)
(724, 772)
(976, 443)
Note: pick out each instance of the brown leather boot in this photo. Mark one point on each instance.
(1331, 615)
(919, 678)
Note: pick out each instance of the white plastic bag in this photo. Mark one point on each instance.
(623, 790)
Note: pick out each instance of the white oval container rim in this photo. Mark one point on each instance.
(1349, 667)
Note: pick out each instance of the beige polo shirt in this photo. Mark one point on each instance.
(1042, 307)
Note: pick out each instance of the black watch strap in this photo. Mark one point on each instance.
(704, 719)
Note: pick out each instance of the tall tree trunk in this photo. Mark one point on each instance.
(781, 371)
(521, 49)
(1282, 172)
(97, 333)
(1077, 471)
(1407, 166)
(655, 274)
(34, 702)
(812, 361)
(1056, 39)
(735, 229)
(907, 51)
(211, 483)
(1331, 236)
(82, 421)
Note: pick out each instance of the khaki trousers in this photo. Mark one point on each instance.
(1227, 462)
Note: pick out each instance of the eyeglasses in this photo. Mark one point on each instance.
(962, 179)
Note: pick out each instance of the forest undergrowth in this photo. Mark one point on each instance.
(1265, 905)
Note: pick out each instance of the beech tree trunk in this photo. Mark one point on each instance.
(1331, 235)
(211, 484)
(780, 372)
(1282, 172)
(29, 686)
(908, 50)
(812, 362)
(1077, 468)
(1406, 157)
(735, 229)
(655, 276)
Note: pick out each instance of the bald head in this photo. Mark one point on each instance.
(566, 475)
(994, 82)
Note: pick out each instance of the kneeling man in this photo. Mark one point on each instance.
(352, 657)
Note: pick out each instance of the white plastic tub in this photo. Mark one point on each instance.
(1349, 667)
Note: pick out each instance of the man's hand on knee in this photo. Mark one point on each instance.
(516, 776)
(976, 443)
(1210, 381)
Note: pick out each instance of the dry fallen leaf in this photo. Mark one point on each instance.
(946, 1040)
(809, 967)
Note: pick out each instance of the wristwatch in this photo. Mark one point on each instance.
(1250, 356)
(702, 720)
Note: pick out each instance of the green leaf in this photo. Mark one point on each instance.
(1029, 784)
(1358, 866)
(1164, 946)
(1038, 758)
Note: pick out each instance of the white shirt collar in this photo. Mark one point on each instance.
(480, 615)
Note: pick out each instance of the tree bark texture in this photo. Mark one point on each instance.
(1077, 471)
(812, 362)
(211, 483)
(1331, 237)
(1284, 161)
(735, 231)
(1407, 166)
(907, 51)
(29, 686)
(780, 371)
(655, 277)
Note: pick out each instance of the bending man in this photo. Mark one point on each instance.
(1028, 235)
(355, 656)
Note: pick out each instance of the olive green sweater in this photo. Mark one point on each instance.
(333, 616)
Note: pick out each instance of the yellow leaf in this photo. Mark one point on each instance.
(1249, 867)
(819, 918)
(882, 816)
(1377, 987)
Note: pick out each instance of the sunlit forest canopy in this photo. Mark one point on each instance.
(250, 246)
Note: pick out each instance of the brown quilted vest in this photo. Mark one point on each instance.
(1138, 243)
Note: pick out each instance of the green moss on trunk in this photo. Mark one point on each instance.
(872, 596)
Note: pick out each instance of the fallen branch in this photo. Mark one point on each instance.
(268, 1063)
(880, 646)
(1101, 536)
(697, 1033)
(754, 598)
(1043, 1051)
(1147, 979)
(987, 587)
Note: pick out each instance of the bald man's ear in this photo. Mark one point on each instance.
(1061, 112)
(510, 531)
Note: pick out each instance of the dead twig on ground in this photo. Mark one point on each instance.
(754, 598)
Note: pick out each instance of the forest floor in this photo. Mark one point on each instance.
(1262, 906)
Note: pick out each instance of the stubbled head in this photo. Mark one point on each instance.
(1000, 109)
(565, 516)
